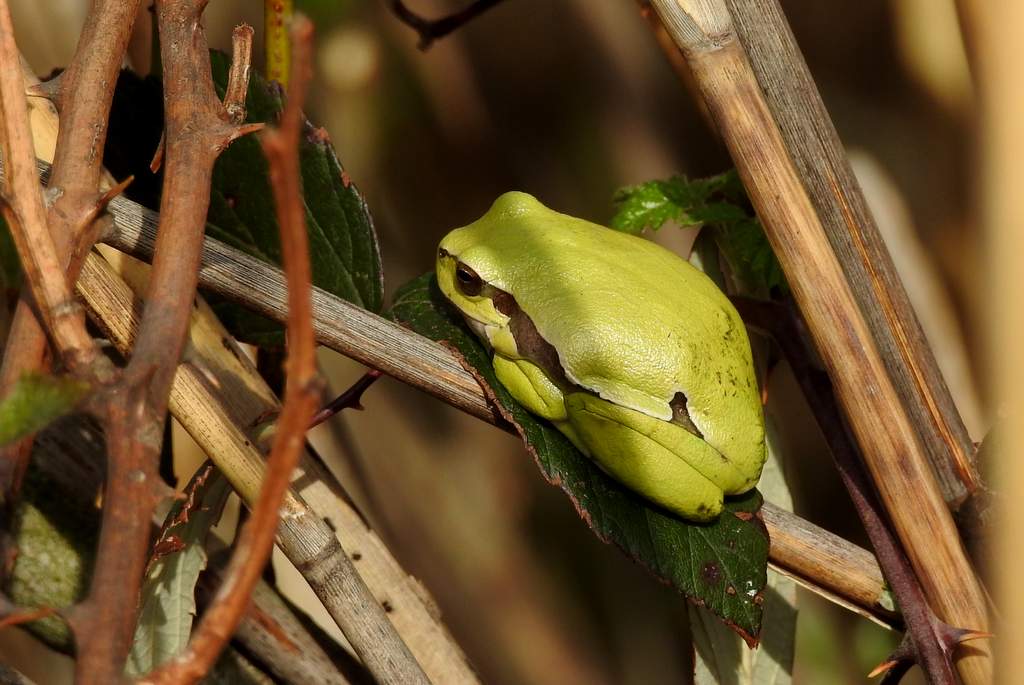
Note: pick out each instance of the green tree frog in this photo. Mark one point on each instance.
(630, 351)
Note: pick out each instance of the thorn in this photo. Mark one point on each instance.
(246, 129)
(113, 192)
(49, 90)
(969, 635)
(894, 675)
(950, 637)
(26, 616)
(901, 659)
(882, 668)
(158, 156)
(350, 399)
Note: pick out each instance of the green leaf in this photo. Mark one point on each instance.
(35, 401)
(720, 657)
(720, 565)
(718, 203)
(168, 602)
(344, 254)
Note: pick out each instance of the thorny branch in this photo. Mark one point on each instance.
(430, 30)
(197, 127)
(932, 641)
(85, 99)
(302, 393)
(99, 54)
(350, 399)
(23, 208)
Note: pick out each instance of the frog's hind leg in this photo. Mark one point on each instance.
(622, 445)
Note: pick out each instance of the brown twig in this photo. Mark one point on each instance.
(887, 439)
(810, 554)
(70, 457)
(430, 30)
(302, 392)
(198, 127)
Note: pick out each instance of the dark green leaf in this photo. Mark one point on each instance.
(720, 565)
(718, 203)
(343, 245)
(35, 401)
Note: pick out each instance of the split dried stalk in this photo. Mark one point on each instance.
(821, 163)
(888, 441)
(220, 399)
(301, 396)
(197, 127)
(806, 552)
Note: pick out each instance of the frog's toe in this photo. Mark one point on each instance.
(640, 463)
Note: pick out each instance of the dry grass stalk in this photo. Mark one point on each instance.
(888, 441)
(820, 161)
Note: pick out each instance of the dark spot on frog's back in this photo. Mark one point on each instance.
(681, 415)
(711, 573)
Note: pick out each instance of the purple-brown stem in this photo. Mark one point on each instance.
(923, 627)
(430, 30)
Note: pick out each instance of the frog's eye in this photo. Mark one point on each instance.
(467, 280)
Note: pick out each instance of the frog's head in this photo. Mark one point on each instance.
(473, 263)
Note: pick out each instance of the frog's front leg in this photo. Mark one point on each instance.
(533, 389)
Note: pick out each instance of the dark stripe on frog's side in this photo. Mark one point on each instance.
(529, 342)
(535, 348)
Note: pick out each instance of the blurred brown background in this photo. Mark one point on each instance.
(570, 100)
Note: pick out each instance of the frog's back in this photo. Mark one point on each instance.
(630, 320)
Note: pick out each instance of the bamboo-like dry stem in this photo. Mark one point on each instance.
(431, 367)
(213, 375)
(896, 460)
(828, 565)
(821, 163)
